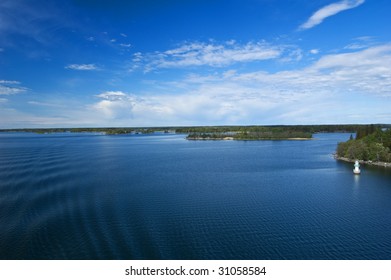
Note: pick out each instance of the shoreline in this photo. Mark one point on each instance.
(233, 139)
(364, 162)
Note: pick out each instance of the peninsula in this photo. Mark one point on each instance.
(372, 146)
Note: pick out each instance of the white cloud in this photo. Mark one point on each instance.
(11, 87)
(314, 51)
(366, 72)
(4, 90)
(46, 104)
(137, 57)
(292, 55)
(83, 67)
(113, 109)
(112, 95)
(6, 82)
(115, 104)
(369, 58)
(328, 11)
(126, 45)
(355, 46)
(211, 54)
(360, 43)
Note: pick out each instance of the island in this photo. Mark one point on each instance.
(261, 134)
(371, 146)
(256, 132)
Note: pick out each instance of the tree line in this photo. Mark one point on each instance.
(372, 143)
(250, 135)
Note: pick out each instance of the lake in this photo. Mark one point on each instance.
(93, 196)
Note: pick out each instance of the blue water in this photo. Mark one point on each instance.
(91, 196)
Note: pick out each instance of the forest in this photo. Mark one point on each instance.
(272, 132)
(261, 133)
(372, 143)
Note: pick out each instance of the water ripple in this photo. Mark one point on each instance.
(107, 197)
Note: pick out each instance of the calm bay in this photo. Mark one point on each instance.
(160, 196)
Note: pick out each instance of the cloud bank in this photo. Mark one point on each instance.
(328, 11)
(322, 91)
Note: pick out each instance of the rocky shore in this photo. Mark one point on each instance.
(364, 162)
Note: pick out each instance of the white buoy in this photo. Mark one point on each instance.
(356, 169)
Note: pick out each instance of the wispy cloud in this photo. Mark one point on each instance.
(364, 72)
(209, 54)
(328, 11)
(125, 45)
(112, 95)
(11, 87)
(212, 54)
(46, 104)
(5, 90)
(82, 67)
(360, 43)
(7, 82)
(36, 23)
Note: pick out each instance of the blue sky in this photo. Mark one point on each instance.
(85, 63)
